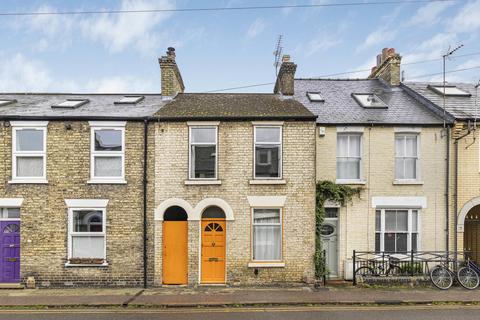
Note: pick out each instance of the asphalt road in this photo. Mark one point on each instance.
(446, 312)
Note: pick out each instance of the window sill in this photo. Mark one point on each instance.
(352, 181)
(268, 181)
(407, 182)
(112, 181)
(28, 181)
(259, 264)
(94, 265)
(202, 182)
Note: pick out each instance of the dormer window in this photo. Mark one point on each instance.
(450, 91)
(369, 100)
(130, 100)
(71, 103)
(6, 102)
(315, 97)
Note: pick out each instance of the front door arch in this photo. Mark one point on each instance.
(175, 246)
(213, 249)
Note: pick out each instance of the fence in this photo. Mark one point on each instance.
(402, 264)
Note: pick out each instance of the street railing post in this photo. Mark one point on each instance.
(411, 263)
(353, 271)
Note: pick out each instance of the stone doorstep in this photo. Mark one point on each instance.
(11, 286)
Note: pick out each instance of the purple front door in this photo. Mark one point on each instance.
(9, 251)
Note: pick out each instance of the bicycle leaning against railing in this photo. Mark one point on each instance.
(442, 276)
(380, 268)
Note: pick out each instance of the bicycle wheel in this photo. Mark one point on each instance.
(441, 277)
(468, 278)
(394, 271)
(363, 272)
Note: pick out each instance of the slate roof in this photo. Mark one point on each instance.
(458, 107)
(233, 106)
(341, 108)
(39, 105)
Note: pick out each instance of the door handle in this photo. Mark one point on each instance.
(213, 259)
(12, 259)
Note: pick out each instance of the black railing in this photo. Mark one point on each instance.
(368, 264)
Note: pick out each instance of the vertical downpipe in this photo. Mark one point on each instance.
(447, 197)
(145, 157)
(455, 202)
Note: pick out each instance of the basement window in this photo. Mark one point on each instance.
(6, 102)
(71, 103)
(130, 100)
(452, 91)
(369, 100)
(315, 97)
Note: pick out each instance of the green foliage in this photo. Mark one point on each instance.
(341, 194)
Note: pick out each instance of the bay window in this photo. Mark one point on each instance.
(268, 152)
(349, 156)
(267, 234)
(396, 230)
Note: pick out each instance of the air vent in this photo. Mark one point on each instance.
(71, 103)
(4, 102)
(451, 91)
(130, 100)
(369, 100)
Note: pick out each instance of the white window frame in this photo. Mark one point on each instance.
(280, 152)
(99, 125)
(280, 209)
(418, 161)
(360, 172)
(409, 227)
(191, 171)
(86, 205)
(28, 125)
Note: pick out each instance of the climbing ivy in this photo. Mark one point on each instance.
(341, 194)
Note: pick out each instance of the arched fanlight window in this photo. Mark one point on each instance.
(213, 212)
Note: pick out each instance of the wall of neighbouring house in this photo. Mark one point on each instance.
(44, 213)
(357, 218)
(235, 156)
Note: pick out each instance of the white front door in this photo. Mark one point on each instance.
(330, 240)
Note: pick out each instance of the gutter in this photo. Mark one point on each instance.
(145, 229)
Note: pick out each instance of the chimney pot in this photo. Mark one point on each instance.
(286, 58)
(379, 60)
(388, 67)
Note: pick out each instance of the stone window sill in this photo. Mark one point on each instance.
(259, 264)
(268, 181)
(69, 265)
(28, 181)
(407, 182)
(112, 181)
(202, 182)
(351, 181)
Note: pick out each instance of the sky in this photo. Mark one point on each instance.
(217, 50)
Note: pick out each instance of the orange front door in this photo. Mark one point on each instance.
(213, 251)
(175, 252)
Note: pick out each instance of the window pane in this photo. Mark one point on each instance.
(348, 168)
(267, 134)
(12, 213)
(390, 220)
(267, 159)
(331, 212)
(400, 145)
(203, 161)
(203, 135)
(411, 146)
(108, 140)
(29, 140)
(108, 166)
(267, 243)
(401, 242)
(377, 242)
(414, 241)
(88, 247)
(399, 168)
(402, 220)
(378, 220)
(342, 145)
(410, 168)
(414, 220)
(266, 216)
(29, 166)
(354, 145)
(389, 242)
(88, 221)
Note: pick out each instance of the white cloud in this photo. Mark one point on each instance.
(378, 38)
(429, 13)
(255, 28)
(322, 42)
(467, 19)
(23, 75)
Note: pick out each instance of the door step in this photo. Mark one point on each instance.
(11, 286)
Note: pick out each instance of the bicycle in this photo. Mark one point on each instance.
(442, 276)
(377, 268)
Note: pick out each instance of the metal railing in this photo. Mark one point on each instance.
(402, 264)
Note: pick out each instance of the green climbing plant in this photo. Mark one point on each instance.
(341, 194)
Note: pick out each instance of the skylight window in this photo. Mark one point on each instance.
(71, 103)
(130, 100)
(4, 102)
(369, 100)
(315, 97)
(449, 91)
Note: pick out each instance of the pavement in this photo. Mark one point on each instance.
(185, 297)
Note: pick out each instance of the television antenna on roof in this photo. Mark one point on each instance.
(445, 57)
(278, 53)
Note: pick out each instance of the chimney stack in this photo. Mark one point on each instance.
(171, 78)
(285, 77)
(388, 67)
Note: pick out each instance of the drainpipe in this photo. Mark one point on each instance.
(145, 150)
(447, 197)
(455, 201)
